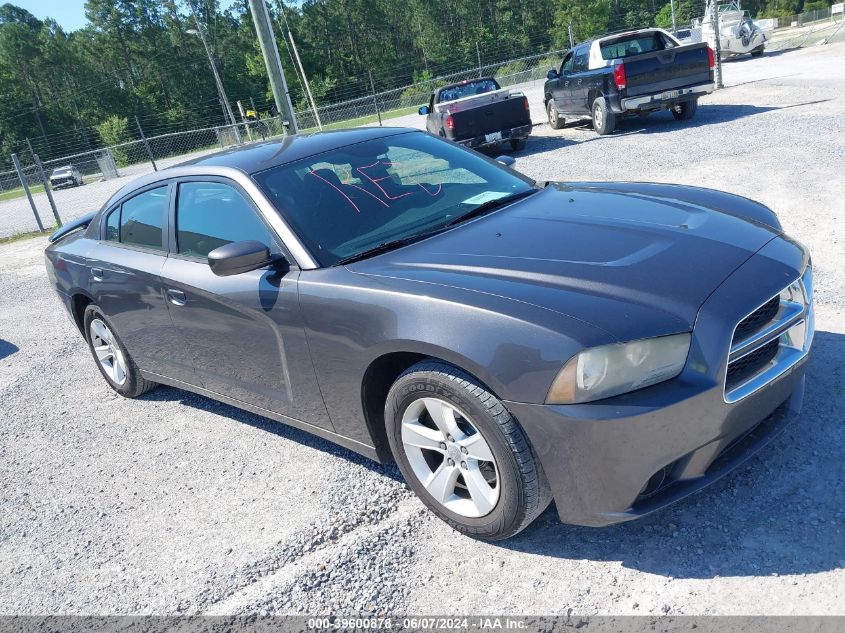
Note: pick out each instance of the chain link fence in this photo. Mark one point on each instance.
(805, 29)
(26, 203)
(406, 99)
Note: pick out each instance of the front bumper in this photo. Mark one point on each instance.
(489, 140)
(621, 458)
(64, 182)
(665, 99)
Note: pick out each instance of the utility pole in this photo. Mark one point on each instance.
(305, 79)
(717, 52)
(270, 52)
(478, 54)
(375, 100)
(228, 115)
(571, 39)
(672, 7)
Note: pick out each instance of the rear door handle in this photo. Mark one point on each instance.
(97, 274)
(176, 297)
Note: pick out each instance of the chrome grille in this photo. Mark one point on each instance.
(771, 339)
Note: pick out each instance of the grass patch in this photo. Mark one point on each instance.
(363, 120)
(27, 236)
(18, 193)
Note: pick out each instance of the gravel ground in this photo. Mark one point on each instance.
(176, 504)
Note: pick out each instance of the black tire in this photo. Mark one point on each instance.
(134, 385)
(523, 489)
(684, 110)
(517, 144)
(604, 121)
(556, 122)
(757, 51)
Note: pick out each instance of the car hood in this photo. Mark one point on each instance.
(633, 260)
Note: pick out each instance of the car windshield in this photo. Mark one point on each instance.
(468, 89)
(352, 199)
(61, 171)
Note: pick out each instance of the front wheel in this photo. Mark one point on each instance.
(685, 110)
(556, 121)
(462, 452)
(113, 361)
(604, 121)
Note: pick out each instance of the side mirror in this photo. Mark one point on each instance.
(552, 74)
(423, 110)
(239, 257)
(507, 161)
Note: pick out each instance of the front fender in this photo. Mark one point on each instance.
(352, 319)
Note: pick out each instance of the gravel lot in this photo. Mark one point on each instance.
(176, 504)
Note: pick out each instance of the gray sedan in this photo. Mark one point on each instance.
(612, 346)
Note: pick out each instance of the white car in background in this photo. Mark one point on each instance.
(67, 176)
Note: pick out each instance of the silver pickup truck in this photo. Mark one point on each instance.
(479, 113)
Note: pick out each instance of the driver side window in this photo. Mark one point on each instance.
(566, 67)
(213, 214)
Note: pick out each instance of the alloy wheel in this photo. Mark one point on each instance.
(598, 116)
(450, 457)
(552, 112)
(107, 351)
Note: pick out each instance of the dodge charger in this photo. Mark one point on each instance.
(613, 347)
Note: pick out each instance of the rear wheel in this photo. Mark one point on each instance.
(757, 52)
(113, 361)
(517, 144)
(685, 110)
(462, 452)
(604, 121)
(556, 121)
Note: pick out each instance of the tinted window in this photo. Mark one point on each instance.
(581, 59)
(142, 218)
(631, 45)
(353, 198)
(212, 214)
(467, 89)
(567, 64)
(113, 226)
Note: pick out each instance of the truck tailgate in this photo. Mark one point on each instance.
(659, 71)
(493, 117)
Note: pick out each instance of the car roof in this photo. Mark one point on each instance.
(252, 158)
(255, 157)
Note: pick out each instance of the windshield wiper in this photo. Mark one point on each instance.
(488, 206)
(386, 246)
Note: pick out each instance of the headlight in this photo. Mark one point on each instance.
(609, 370)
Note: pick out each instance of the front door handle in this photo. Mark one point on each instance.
(97, 274)
(176, 297)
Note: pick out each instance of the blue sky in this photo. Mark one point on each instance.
(69, 13)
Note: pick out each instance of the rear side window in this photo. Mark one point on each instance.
(142, 219)
(213, 214)
(632, 45)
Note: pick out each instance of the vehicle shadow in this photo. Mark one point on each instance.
(781, 513)
(188, 398)
(7, 348)
(708, 114)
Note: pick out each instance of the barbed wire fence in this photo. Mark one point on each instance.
(28, 203)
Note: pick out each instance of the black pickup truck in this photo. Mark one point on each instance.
(478, 113)
(636, 72)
